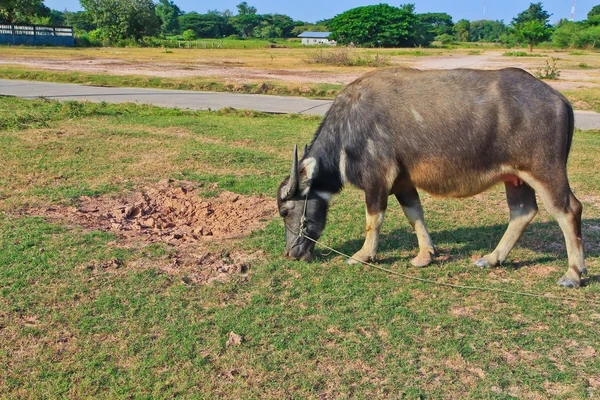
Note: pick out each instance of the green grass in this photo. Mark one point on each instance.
(311, 330)
(242, 44)
(319, 90)
(590, 98)
(521, 54)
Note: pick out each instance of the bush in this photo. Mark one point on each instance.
(344, 57)
(550, 71)
(83, 40)
(445, 39)
(520, 54)
(189, 35)
(151, 41)
(98, 36)
(126, 43)
(235, 37)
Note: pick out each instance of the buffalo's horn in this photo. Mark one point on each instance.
(290, 189)
(305, 151)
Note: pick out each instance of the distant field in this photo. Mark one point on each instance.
(297, 71)
(95, 305)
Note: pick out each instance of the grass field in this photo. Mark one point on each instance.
(281, 71)
(69, 328)
(315, 90)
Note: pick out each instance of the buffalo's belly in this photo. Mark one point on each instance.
(465, 183)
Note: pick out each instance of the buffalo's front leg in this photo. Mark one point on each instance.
(376, 206)
(411, 205)
(523, 207)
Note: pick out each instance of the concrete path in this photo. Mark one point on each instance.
(196, 100)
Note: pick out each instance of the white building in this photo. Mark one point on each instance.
(310, 38)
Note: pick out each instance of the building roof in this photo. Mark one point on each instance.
(316, 35)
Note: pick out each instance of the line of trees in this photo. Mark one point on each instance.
(382, 25)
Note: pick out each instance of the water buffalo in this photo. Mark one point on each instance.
(451, 133)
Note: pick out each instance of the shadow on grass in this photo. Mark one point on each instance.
(461, 243)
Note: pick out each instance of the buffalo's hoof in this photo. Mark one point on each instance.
(569, 282)
(482, 263)
(421, 261)
(584, 271)
(358, 259)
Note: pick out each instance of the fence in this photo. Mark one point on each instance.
(37, 35)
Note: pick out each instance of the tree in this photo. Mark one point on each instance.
(461, 29)
(211, 25)
(593, 17)
(169, 13)
(531, 26)
(281, 22)
(487, 31)
(245, 9)
(247, 19)
(576, 34)
(57, 18)
(535, 12)
(375, 26)
(22, 11)
(267, 31)
(431, 26)
(300, 27)
(120, 19)
(590, 37)
(532, 33)
(440, 23)
(566, 33)
(80, 20)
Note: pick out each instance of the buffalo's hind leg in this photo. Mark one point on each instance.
(523, 207)
(411, 205)
(563, 205)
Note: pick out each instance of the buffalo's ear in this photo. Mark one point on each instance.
(305, 151)
(306, 174)
(289, 190)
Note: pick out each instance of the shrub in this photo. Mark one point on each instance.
(445, 39)
(98, 36)
(189, 35)
(550, 71)
(520, 54)
(344, 57)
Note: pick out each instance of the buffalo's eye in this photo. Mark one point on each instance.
(284, 213)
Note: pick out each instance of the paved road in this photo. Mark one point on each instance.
(196, 100)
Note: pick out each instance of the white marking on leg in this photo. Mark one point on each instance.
(417, 221)
(516, 227)
(373, 228)
(565, 221)
(369, 248)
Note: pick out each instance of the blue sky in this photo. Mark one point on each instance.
(314, 10)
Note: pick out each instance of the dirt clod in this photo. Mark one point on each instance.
(111, 264)
(234, 339)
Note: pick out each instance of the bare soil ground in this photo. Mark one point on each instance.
(292, 68)
(173, 213)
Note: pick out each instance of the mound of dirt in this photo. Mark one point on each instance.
(175, 214)
(209, 267)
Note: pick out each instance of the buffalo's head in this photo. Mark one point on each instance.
(295, 200)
